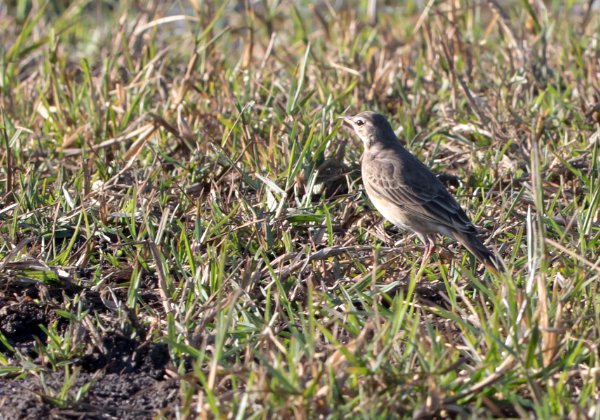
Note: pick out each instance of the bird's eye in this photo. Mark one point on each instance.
(360, 122)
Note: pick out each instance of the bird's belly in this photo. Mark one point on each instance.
(408, 220)
(392, 213)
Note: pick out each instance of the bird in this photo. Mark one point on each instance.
(409, 195)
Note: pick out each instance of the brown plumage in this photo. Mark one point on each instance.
(408, 194)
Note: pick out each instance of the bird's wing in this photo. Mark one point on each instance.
(413, 187)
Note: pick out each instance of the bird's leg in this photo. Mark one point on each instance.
(427, 253)
(430, 249)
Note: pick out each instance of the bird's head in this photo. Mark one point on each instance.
(371, 127)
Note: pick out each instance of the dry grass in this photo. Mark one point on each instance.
(184, 181)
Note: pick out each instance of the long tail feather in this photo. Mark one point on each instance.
(479, 250)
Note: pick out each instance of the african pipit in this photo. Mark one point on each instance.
(408, 194)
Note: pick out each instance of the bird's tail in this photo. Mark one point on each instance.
(479, 250)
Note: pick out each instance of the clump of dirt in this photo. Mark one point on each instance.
(126, 355)
(20, 324)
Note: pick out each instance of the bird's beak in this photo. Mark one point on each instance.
(346, 120)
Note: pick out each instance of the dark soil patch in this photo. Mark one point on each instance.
(20, 324)
(124, 396)
(127, 381)
(120, 377)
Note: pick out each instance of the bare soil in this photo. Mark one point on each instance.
(126, 376)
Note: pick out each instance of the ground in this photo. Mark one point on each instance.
(184, 231)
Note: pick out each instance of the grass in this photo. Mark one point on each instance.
(185, 181)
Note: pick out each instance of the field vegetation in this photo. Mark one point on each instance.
(184, 231)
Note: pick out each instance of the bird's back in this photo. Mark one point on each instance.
(392, 173)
